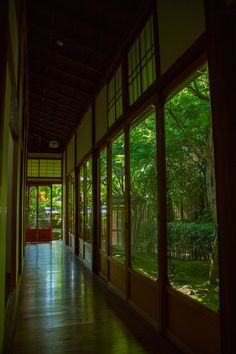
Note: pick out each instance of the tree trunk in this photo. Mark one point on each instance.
(214, 273)
(211, 196)
(138, 213)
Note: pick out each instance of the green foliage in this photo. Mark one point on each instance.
(118, 166)
(143, 181)
(146, 264)
(187, 129)
(190, 239)
(188, 276)
(148, 239)
(190, 172)
(191, 278)
(143, 157)
(205, 217)
(40, 213)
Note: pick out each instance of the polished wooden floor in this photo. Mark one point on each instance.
(63, 308)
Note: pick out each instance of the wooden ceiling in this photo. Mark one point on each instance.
(65, 79)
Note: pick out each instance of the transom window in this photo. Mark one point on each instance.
(44, 168)
(115, 101)
(141, 62)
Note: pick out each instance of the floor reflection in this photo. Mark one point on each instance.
(63, 308)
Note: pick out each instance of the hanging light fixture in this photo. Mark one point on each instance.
(60, 42)
(53, 144)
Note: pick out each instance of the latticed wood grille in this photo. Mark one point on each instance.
(44, 168)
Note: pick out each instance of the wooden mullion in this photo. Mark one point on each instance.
(95, 195)
(125, 83)
(156, 41)
(4, 33)
(67, 218)
(109, 192)
(162, 217)
(76, 198)
(127, 213)
(221, 34)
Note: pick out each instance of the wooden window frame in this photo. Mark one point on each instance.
(142, 60)
(114, 96)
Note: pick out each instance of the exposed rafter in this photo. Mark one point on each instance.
(65, 79)
(60, 57)
(55, 84)
(53, 104)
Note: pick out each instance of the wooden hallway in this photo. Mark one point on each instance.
(63, 308)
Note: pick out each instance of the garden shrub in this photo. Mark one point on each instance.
(191, 240)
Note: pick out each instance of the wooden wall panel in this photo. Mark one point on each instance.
(221, 43)
(101, 114)
(103, 265)
(193, 328)
(81, 248)
(180, 24)
(144, 295)
(71, 155)
(117, 276)
(84, 136)
(88, 254)
(13, 26)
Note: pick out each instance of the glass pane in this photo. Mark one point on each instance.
(191, 201)
(147, 55)
(103, 199)
(151, 70)
(131, 94)
(89, 201)
(118, 76)
(143, 44)
(144, 78)
(111, 90)
(81, 201)
(137, 86)
(119, 107)
(71, 204)
(44, 207)
(143, 189)
(57, 211)
(32, 211)
(134, 73)
(149, 34)
(111, 116)
(33, 168)
(111, 101)
(136, 57)
(118, 198)
(50, 168)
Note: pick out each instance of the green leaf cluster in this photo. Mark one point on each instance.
(188, 156)
(191, 239)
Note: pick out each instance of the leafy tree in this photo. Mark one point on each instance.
(118, 197)
(103, 195)
(143, 184)
(190, 158)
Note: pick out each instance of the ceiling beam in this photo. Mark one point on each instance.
(75, 103)
(49, 135)
(50, 120)
(76, 93)
(39, 112)
(69, 40)
(64, 57)
(39, 134)
(61, 75)
(56, 104)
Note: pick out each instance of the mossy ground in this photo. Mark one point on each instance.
(188, 276)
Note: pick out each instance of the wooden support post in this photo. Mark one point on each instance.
(221, 43)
